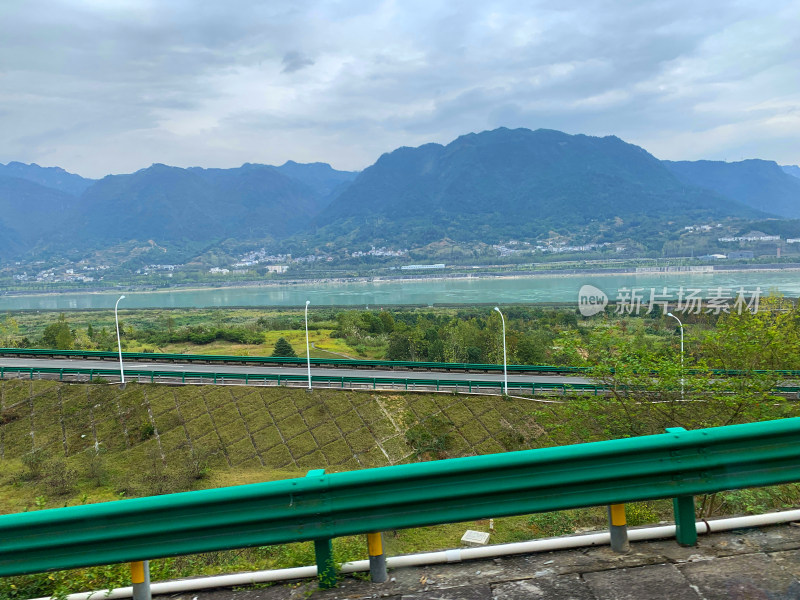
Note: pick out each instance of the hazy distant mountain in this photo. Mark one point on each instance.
(505, 184)
(792, 170)
(760, 184)
(52, 177)
(29, 210)
(320, 177)
(10, 243)
(185, 207)
(166, 204)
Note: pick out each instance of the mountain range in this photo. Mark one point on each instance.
(485, 187)
(759, 184)
(188, 208)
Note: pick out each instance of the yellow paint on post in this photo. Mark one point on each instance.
(374, 544)
(137, 572)
(618, 515)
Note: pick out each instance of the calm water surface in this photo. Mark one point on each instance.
(543, 288)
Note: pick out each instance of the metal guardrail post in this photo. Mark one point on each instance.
(140, 578)
(323, 551)
(685, 527)
(618, 528)
(326, 569)
(377, 558)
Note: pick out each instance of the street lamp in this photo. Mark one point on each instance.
(119, 343)
(308, 350)
(681, 326)
(505, 367)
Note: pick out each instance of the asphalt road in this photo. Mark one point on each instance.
(61, 363)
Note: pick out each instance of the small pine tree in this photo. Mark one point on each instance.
(283, 348)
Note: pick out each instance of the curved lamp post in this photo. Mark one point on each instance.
(308, 350)
(505, 367)
(119, 343)
(681, 326)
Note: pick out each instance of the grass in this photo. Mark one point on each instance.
(32, 324)
(65, 444)
(229, 428)
(322, 345)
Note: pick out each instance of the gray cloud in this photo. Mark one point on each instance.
(101, 87)
(294, 61)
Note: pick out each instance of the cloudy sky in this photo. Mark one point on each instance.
(111, 86)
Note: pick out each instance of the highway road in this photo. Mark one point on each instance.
(60, 363)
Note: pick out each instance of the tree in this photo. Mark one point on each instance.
(105, 340)
(399, 347)
(283, 348)
(387, 321)
(767, 339)
(648, 390)
(58, 335)
(9, 329)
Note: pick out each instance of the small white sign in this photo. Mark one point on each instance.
(475, 538)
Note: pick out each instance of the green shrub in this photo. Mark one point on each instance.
(146, 431)
(640, 513)
(552, 524)
(34, 462)
(431, 436)
(59, 477)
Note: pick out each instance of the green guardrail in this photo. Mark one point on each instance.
(471, 385)
(343, 362)
(247, 378)
(300, 362)
(678, 464)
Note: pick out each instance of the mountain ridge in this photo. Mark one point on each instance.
(512, 181)
(792, 170)
(52, 177)
(757, 183)
(481, 187)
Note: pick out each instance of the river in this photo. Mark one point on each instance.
(475, 290)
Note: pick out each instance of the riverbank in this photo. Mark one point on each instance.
(510, 287)
(464, 275)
